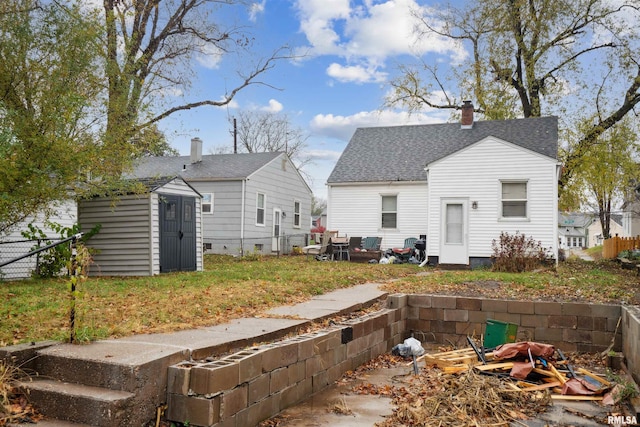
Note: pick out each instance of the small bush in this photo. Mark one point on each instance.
(630, 254)
(517, 253)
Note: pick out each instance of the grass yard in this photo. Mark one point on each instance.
(36, 310)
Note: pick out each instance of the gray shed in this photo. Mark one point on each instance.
(154, 232)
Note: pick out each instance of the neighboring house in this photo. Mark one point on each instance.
(595, 230)
(144, 234)
(14, 245)
(250, 201)
(319, 220)
(631, 212)
(460, 184)
(573, 230)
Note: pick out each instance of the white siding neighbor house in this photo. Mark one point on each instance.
(460, 184)
(573, 229)
(145, 234)
(631, 212)
(14, 245)
(595, 230)
(251, 202)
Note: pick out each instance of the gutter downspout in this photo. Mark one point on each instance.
(242, 219)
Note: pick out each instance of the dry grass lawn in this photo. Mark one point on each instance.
(35, 310)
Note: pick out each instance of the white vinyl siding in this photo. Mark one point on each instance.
(63, 213)
(476, 174)
(355, 210)
(234, 226)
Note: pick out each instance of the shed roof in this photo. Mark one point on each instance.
(400, 153)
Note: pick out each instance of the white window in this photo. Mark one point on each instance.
(296, 214)
(260, 206)
(389, 211)
(514, 199)
(207, 203)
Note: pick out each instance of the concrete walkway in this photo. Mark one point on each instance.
(105, 363)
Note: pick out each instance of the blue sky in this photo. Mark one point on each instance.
(349, 50)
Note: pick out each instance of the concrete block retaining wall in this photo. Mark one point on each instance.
(248, 386)
(568, 326)
(631, 340)
(243, 388)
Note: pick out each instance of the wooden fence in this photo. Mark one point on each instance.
(613, 246)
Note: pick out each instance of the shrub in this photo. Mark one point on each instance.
(517, 253)
(53, 261)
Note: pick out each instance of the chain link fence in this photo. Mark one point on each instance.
(29, 266)
(21, 268)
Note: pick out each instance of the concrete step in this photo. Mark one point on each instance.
(99, 407)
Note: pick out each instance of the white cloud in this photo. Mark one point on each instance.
(232, 105)
(343, 127)
(355, 73)
(328, 155)
(367, 35)
(211, 57)
(273, 107)
(256, 9)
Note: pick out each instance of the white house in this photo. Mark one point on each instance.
(573, 229)
(250, 201)
(13, 244)
(595, 230)
(460, 184)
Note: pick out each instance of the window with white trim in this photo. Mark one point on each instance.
(207, 203)
(296, 214)
(261, 200)
(514, 199)
(390, 211)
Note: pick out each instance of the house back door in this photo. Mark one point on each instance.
(454, 247)
(277, 231)
(177, 233)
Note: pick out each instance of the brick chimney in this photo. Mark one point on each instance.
(467, 115)
(196, 150)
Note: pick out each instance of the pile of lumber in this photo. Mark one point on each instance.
(527, 373)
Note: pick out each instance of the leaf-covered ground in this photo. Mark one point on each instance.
(572, 281)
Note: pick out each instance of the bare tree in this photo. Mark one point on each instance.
(524, 52)
(150, 49)
(264, 131)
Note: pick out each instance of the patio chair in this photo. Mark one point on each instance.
(404, 254)
(319, 250)
(370, 249)
(371, 243)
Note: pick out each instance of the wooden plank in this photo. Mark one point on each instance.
(557, 374)
(570, 397)
(532, 387)
(455, 369)
(494, 366)
(594, 376)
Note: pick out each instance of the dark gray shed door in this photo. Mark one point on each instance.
(177, 233)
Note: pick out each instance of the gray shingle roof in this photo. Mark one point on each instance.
(212, 167)
(400, 153)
